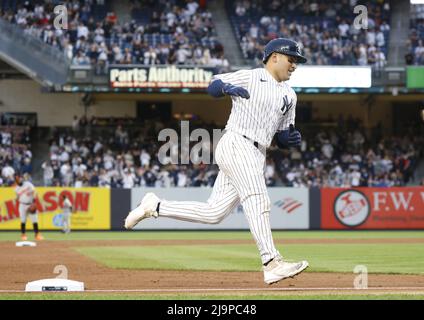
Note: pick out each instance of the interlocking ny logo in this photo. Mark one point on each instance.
(287, 105)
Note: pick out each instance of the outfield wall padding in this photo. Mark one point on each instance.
(120, 206)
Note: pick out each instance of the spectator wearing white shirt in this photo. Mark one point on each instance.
(66, 174)
(48, 173)
(379, 38)
(128, 180)
(182, 179)
(82, 31)
(144, 158)
(8, 173)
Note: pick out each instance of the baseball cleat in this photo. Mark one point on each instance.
(146, 209)
(24, 237)
(278, 270)
(39, 237)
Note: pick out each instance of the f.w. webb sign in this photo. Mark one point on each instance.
(159, 77)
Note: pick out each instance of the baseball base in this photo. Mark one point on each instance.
(26, 244)
(54, 285)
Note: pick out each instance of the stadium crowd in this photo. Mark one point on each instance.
(415, 42)
(119, 155)
(326, 31)
(166, 32)
(15, 153)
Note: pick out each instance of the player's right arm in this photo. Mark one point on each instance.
(233, 84)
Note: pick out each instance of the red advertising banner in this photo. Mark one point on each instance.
(372, 208)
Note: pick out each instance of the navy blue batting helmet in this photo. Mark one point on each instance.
(284, 46)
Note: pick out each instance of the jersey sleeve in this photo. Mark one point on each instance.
(239, 78)
(290, 117)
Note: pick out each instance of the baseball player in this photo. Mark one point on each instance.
(25, 193)
(66, 214)
(263, 106)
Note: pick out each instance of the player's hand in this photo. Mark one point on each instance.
(235, 91)
(289, 138)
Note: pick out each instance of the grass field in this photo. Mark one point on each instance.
(382, 252)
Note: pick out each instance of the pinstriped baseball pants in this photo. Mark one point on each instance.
(240, 179)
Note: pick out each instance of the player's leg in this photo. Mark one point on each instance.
(34, 219)
(222, 201)
(67, 222)
(23, 216)
(243, 163)
(64, 222)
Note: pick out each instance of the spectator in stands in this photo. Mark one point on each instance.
(48, 173)
(106, 41)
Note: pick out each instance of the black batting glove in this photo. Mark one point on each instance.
(289, 138)
(235, 91)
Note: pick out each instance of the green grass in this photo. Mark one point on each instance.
(93, 296)
(395, 258)
(378, 258)
(213, 235)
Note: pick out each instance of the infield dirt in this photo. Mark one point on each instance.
(21, 265)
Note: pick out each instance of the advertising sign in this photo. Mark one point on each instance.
(159, 77)
(289, 209)
(372, 208)
(91, 205)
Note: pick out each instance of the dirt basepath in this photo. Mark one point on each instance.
(21, 265)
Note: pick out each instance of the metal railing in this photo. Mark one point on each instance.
(42, 61)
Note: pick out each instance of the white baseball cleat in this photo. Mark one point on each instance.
(278, 270)
(146, 209)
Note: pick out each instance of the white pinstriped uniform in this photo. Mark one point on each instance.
(271, 107)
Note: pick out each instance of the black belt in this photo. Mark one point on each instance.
(25, 203)
(255, 143)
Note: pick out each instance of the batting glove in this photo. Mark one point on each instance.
(235, 91)
(289, 138)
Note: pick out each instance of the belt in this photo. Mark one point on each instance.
(255, 143)
(25, 203)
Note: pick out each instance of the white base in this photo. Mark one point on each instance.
(26, 244)
(56, 284)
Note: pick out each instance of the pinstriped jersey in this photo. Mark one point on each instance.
(271, 106)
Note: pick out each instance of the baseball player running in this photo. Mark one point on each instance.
(25, 193)
(263, 105)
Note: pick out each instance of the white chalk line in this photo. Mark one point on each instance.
(193, 290)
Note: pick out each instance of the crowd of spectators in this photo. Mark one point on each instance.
(15, 153)
(124, 154)
(345, 157)
(328, 33)
(415, 43)
(167, 32)
(119, 158)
